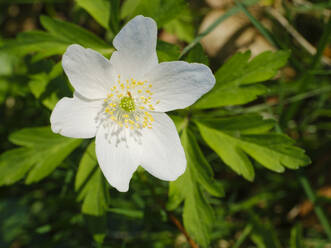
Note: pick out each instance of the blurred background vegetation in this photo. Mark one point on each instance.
(291, 209)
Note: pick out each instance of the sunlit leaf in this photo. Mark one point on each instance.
(42, 151)
(162, 11)
(242, 139)
(35, 41)
(236, 80)
(182, 26)
(74, 34)
(98, 9)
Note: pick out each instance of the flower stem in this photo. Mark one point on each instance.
(182, 229)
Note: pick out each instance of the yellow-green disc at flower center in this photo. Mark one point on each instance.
(127, 104)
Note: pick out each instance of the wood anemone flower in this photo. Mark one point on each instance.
(122, 101)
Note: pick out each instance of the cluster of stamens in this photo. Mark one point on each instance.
(129, 102)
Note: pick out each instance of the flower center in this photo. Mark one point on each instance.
(129, 104)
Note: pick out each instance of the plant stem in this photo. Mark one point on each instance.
(182, 229)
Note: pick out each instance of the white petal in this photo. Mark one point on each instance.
(163, 155)
(76, 117)
(136, 48)
(118, 154)
(179, 84)
(88, 71)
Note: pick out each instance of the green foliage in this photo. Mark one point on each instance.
(246, 135)
(162, 11)
(92, 190)
(252, 214)
(41, 83)
(197, 55)
(35, 41)
(59, 36)
(73, 34)
(236, 80)
(197, 213)
(182, 26)
(90, 184)
(166, 51)
(98, 9)
(296, 237)
(41, 152)
(263, 234)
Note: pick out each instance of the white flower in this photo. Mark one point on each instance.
(122, 101)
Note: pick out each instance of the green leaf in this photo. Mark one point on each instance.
(197, 55)
(162, 11)
(41, 84)
(236, 80)
(14, 164)
(197, 214)
(35, 41)
(91, 188)
(90, 184)
(180, 122)
(128, 8)
(182, 26)
(235, 144)
(74, 34)
(131, 213)
(98, 9)
(41, 153)
(166, 51)
(245, 124)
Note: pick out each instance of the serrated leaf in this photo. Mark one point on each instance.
(74, 34)
(41, 153)
(236, 80)
(162, 11)
(98, 9)
(197, 214)
(274, 151)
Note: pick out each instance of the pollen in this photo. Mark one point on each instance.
(129, 102)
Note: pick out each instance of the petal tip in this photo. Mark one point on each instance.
(119, 185)
(179, 173)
